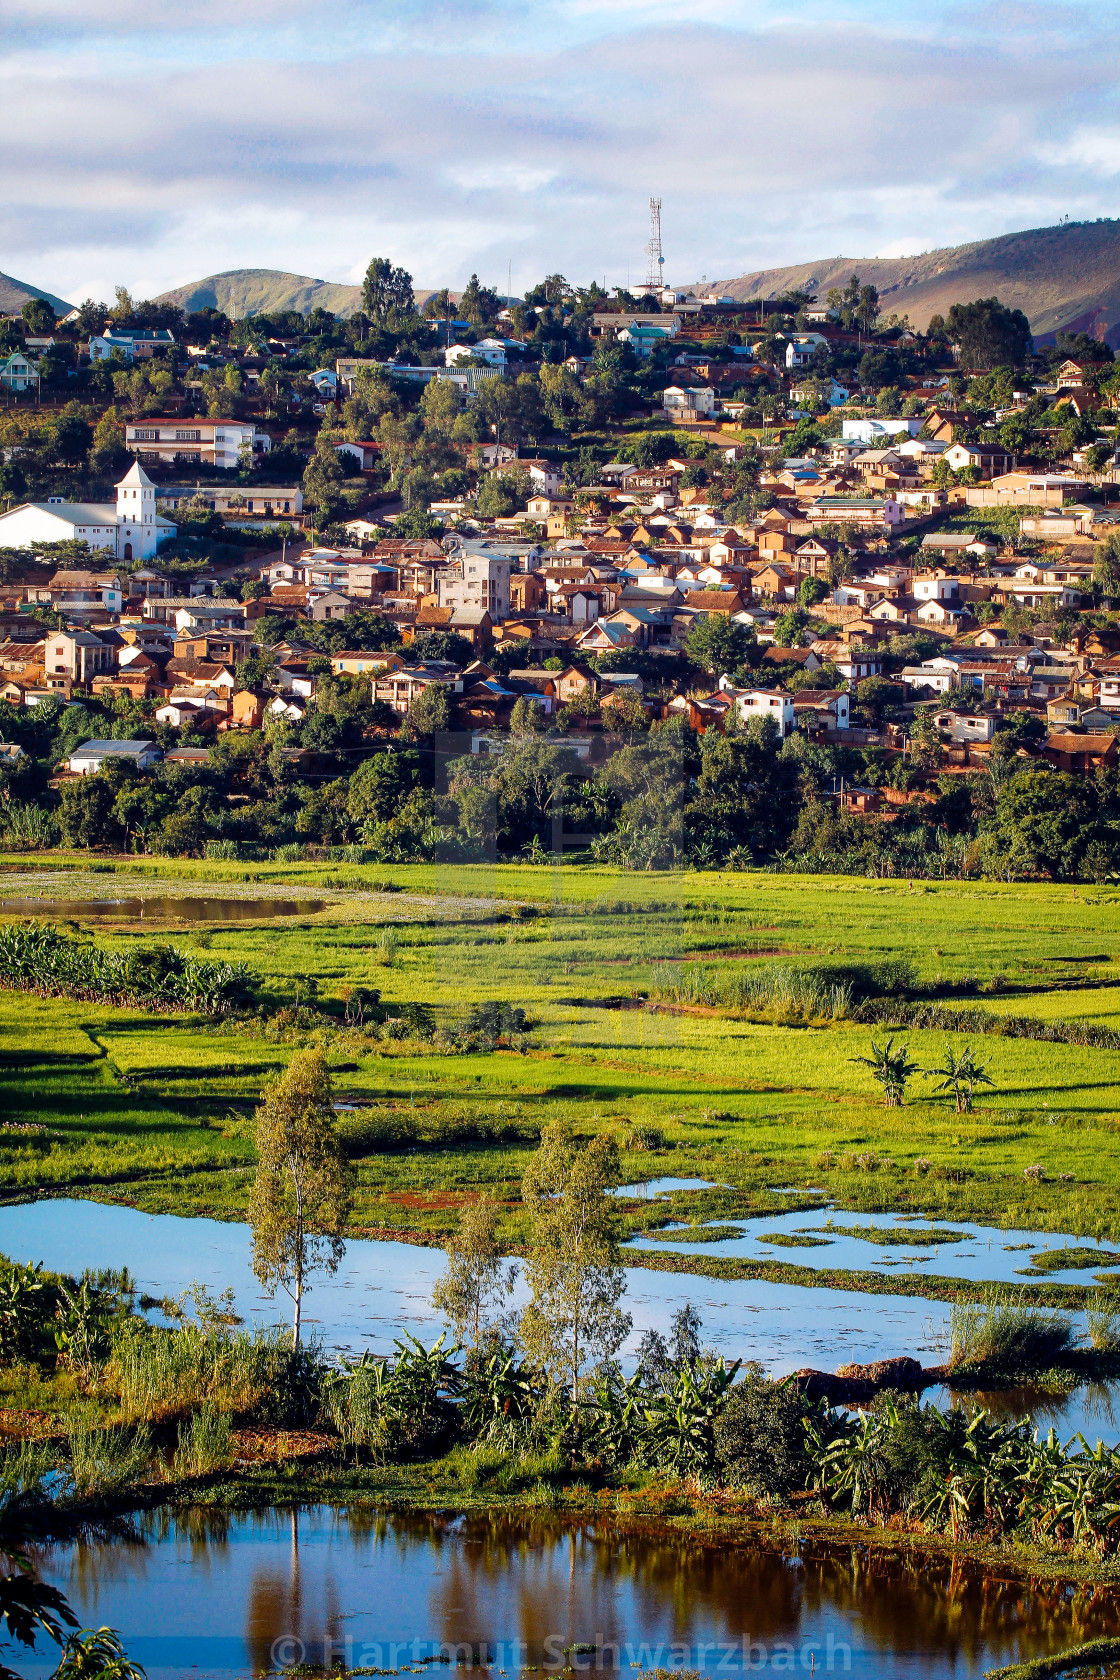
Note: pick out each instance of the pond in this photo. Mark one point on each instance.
(160, 909)
(976, 1252)
(383, 1288)
(236, 1595)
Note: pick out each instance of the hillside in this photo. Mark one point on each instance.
(15, 293)
(1064, 278)
(255, 291)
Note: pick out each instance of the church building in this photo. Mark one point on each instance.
(131, 530)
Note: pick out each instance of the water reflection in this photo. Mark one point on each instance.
(160, 909)
(218, 1592)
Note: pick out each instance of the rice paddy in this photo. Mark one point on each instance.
(123, 1104)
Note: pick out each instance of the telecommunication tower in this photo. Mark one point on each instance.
(654, 276)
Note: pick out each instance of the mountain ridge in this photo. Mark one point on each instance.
(1064, 278)
(238, 292)
(15, 293)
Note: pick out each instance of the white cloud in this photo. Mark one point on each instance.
(156, 144)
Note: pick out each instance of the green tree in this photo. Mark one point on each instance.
(716, 644)
(573, 1269)
(478, 1280)
(324, 473)
(386, 289)
(429, 713)
(479, 305)
(890, 1068)
(303, 1188)
(989, 333)
(38, 316)
(926, 746)
(960, 1073)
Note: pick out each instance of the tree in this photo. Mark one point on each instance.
(989, 333)
(960, 1073)
(926, 748)
(324, 473)
(890, 1068)
(479, 304)
(430, 712)
(716, 644)
(38, 316)
(811, 591)
(573, 1320)
(386, 289)
(477, 1280)
(302, 1192)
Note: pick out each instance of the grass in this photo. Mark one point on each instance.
(1007, 1335)
(124, 1105)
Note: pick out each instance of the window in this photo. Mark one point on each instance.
(146, 436)
(188, 437)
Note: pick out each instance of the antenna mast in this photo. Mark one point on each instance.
(654, 280)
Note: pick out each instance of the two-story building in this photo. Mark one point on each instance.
(205, 441)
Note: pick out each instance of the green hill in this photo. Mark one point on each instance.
(1064, 278)
(257, 291)
(15, 293)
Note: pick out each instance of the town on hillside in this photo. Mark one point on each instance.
(657, 576)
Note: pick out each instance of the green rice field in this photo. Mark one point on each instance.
(157, 1111)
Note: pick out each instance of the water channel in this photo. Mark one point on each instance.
(160, 909)
(226, 1595)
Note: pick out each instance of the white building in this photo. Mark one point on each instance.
(89, 757)
(689, 400)
(762, 703)
(801, 347)
(19, 372)
(868, 431)
(129, 343)
(212, 443)
(489, 350)
(132, 530)
(482, 581)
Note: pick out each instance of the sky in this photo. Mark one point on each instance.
(152, 142)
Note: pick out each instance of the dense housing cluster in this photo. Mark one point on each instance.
(668, 578)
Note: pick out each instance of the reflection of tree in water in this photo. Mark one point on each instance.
(496, 1577)
(1095, 1403)
(280, 1604)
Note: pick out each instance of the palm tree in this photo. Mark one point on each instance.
(891, 1068)
(960, 1073)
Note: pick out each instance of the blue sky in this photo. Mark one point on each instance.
(151, 142)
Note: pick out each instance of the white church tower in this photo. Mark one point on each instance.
(138, 535)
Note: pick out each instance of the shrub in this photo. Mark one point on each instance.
(105, 1460)
(760, 1437)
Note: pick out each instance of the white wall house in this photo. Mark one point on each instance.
(129, 343)
(19, 372)
(868, 431)
(678, 399)
(762, 703)
(482, 581)
(212, 443)
(132, 530)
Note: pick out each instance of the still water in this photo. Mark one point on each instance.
(976, 1252)
(160, 909)
(225, 1595)
(383, 1288)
